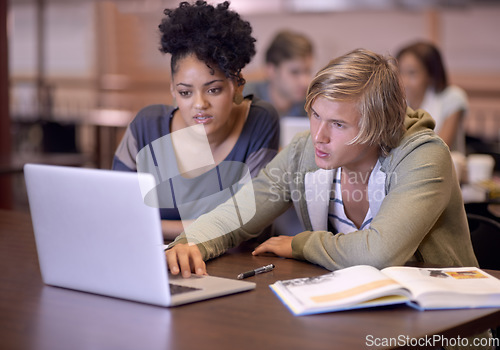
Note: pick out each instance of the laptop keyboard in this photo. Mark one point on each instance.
(177, 289)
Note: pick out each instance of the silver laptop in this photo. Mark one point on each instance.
(94, 233)
(290, 126)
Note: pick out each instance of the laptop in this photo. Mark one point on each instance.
(94, 233)
(290, 126)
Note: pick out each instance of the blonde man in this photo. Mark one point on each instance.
(371, 183)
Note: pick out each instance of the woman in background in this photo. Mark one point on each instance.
(184, 147)
(426, 84)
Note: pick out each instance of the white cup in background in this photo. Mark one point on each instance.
(460, 163)
(480, 167)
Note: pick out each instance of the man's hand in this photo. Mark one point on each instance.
(185, 258)
(281, 246)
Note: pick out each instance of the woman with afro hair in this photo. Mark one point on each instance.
(214, 136)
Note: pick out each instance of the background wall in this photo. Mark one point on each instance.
(87, 66)
(467, 37)
(104, 54)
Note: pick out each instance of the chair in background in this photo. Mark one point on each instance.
(485, 236)
(482, 209)
(290, 126)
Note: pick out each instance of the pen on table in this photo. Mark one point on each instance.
(258, 270)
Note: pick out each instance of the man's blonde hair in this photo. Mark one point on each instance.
(373, 82)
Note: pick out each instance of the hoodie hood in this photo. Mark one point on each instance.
(419, 129)
(418, 120)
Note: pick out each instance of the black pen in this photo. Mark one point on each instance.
(262, 269)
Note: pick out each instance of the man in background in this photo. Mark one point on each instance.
(289, 68)
(289, 65)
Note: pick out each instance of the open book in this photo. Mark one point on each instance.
(365, 286)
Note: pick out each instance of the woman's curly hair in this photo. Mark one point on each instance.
(216, 35)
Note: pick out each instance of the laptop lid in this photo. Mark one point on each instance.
(94, 233)
(290, 126)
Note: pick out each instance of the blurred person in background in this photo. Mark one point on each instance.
(426, 84)
(289, 69)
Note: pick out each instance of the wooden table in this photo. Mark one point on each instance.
(35, 316)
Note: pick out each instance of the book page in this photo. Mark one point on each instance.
(337, 290)
(448, 287)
